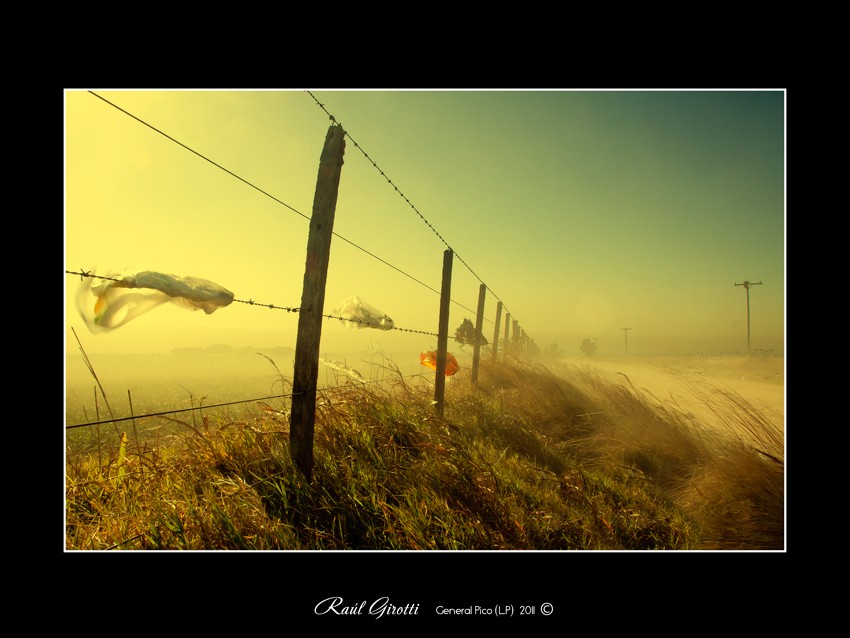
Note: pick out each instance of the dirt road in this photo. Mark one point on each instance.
(702, 386)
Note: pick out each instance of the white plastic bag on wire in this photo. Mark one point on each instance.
(107, 304)
(356, 313)
(339, 365)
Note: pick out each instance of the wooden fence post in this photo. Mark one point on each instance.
(479, 322)
(507, 334)
(303, 415)
(498, 327)
(443, 332)
(515, 342)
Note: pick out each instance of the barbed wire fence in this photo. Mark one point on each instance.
(518, 344)
(408, 202)
(250, 302)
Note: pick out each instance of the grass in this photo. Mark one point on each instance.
(526, 461)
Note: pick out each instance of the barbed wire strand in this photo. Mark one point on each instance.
(257, 188)
(404, 197)
(251, 302)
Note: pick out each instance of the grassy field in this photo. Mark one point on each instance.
(528, 460)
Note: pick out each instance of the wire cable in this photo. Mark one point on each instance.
(257, 188)
(409, 203)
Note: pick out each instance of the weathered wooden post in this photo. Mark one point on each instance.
(303, 416)
(498, 328)
(443, 332)
(507, 333)
(479, 322)
(515, 341)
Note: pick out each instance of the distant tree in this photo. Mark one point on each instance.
(588, 347)
(465, 334)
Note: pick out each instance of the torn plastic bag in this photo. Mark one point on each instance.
(429, 359)
(110, 303)
(356, 313)
(339, 365)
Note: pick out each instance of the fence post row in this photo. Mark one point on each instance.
(496, 332)
(479, 321)
(443, 332)
(305, 375)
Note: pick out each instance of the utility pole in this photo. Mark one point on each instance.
(747, 285)
(626, 332)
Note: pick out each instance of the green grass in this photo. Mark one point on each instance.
(525, 461)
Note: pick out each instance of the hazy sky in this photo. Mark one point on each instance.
(585, 212)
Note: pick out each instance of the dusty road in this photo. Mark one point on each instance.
(701, 385)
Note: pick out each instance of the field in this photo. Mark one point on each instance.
(580, 455)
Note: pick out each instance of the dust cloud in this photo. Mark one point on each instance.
(704, 388)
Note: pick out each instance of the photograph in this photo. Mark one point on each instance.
(455, 324)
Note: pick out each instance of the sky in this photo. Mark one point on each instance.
(583, 212)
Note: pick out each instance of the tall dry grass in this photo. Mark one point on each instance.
(525, 461)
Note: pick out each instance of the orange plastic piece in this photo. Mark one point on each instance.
(429, 359)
